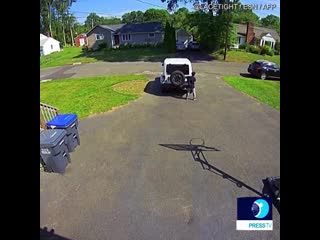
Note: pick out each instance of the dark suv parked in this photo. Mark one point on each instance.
(264, 69)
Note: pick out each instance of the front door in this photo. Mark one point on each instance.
(116, 40)
(81, 41)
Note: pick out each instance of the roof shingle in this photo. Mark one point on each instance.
(141, 27)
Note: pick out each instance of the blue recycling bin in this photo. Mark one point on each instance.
(68, 122)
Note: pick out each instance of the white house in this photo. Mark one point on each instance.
(183, 36)
(48, 45)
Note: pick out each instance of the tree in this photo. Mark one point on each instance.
(54, 18)
(159, 15)
(70, 22)
(169, 38)
(80, 28)
(92, 20)
(46, 9)
(271, 21)
(242, 16)
(61, 7)
(173, 4)
(134, 16)
(179, 18)
(112, 20)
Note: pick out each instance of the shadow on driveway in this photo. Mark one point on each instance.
(248, 75)
(50, 235)
(154, 88)
(197, 152)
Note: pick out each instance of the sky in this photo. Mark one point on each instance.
(116, 8)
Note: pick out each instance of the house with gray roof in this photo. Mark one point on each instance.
(259, 36)
(130, 33)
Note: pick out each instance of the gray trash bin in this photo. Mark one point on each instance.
(68, 122)
(53, 150)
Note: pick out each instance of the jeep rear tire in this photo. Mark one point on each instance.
(177, 78)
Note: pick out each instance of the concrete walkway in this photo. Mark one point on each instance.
(122, 184)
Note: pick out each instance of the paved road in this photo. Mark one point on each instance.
(148, 68)
(122, 184)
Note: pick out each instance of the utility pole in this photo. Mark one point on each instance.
(227, 33)
(226, 42)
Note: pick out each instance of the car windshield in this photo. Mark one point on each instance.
(178, 67)
(258, 63)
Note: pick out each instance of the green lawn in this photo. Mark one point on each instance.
(72, 55)
(246, 57)
(92, 95)
(266, 91)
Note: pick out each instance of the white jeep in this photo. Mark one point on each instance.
(175, 73)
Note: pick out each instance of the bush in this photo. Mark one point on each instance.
(253, 49)
(220, 51)
(126, 46)
(85, 49)
(266, 50)
(102, 46)
(138, 46)
(243, 46)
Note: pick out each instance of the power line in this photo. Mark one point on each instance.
(152, 4)
(89, 12)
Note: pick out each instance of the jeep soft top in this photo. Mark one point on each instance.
(175, 73)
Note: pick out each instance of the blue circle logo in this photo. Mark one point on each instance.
(260, 208)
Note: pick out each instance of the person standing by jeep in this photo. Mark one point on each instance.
(191, 86)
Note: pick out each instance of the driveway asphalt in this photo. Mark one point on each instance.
(148, 68)
(133, 176)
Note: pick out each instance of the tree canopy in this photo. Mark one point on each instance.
(271, 21)
(160, 15)
(134, 16)
(208, 28)
(56, 20)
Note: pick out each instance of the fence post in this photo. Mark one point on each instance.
(42, 122)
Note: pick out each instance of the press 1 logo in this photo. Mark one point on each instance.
(254, 213)
(260, 208)
(260, 225)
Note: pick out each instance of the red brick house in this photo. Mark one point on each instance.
(81, 40)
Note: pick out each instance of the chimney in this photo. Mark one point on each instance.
(250, 32)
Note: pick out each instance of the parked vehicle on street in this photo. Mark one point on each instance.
(264, 69)
(180, 46)
(193, 45)
(175, 73)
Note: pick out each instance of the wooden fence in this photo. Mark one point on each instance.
(47, 113)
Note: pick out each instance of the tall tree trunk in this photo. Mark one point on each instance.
(64, 35)
(72, 40)
(49, 18)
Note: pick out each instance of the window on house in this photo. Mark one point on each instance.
(51, 46)
(99, 36)
(151, 35)
(126, 37)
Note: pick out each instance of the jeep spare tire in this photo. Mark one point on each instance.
(177, 78)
